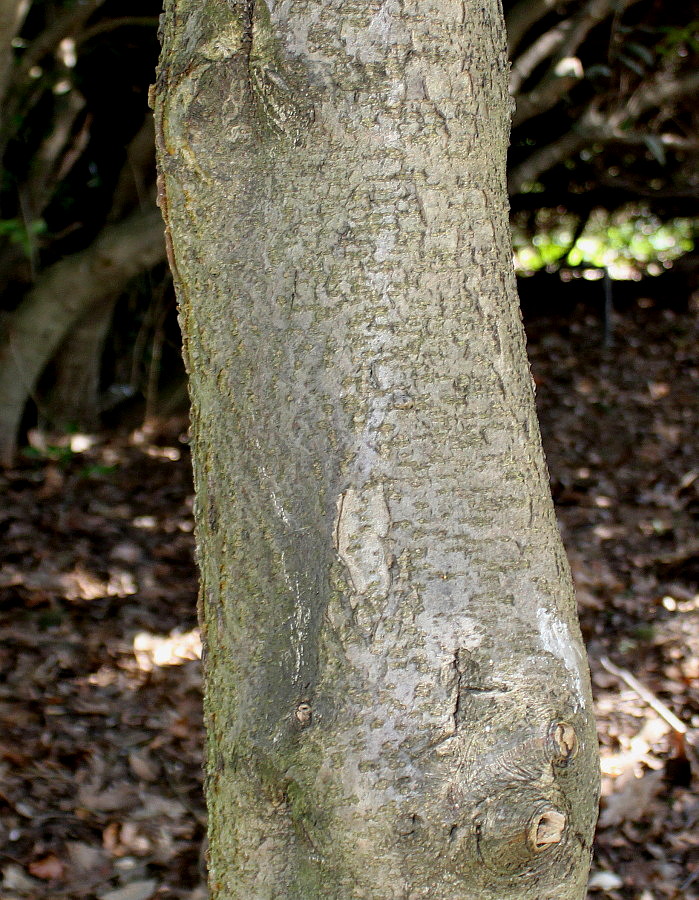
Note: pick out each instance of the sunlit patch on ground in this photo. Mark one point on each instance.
(100, 711)
(619, 429)
(176, 648)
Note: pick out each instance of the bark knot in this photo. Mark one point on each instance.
(565, 742)
(546, 829)
(303, 714)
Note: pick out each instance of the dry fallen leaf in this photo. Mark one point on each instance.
(658, 389)
(48, 868)
(85, 858)
(110, 838)
(604, 881)
(133, 840)
(14, 878)
(120, 795)
(137, 890)
(143, 765)
(632, 800)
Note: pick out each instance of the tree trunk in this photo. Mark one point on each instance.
(397, 697)
(74, 397)
(65, 292)
(12, 13)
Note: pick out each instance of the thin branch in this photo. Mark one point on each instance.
(66, 291)
(588, 18)
(662, 92)
(112, 24)
(536, 53)
(66, 26)
(555, 84)
(12, 14)
(544, 159)
(524, 15)
(137, 172)
(639, 186)
(646, 695)
(594, 126)
(22, 90)
(57, 153)
(609, 133)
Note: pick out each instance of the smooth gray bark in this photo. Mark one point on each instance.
(397, 697)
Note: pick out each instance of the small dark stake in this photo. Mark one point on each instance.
(608, 312)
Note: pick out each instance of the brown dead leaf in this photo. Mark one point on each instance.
(633, 799)
(153, 804)
(125, 838)
(622, 765)
(658, 389)
(133, 840)
(143, 765)
(609, 532)
(48, 868)
(604, 881)
(85, 858)
(110, 838)
(137, 890)
(11, 755)
(53, 483)
(14, 878)
(121, 795)
(585, 386)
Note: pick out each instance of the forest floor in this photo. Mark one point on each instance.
(100, 721)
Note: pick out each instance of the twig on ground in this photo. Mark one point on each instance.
(646, 695)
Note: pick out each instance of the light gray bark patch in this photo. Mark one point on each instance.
(362, 524)
(556, 639)
(370, 41)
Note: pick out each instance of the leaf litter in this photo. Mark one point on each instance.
(100, 705)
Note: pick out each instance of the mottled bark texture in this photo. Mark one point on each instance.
(397, 697)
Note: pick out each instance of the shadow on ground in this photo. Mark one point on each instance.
(100, 723)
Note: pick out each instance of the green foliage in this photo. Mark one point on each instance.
(17, 231)
(52, 452)
(684, 39)
(626, 243)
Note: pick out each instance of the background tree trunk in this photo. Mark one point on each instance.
(397, 697)
(74, 397)
(65, 292)
(12, 13)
